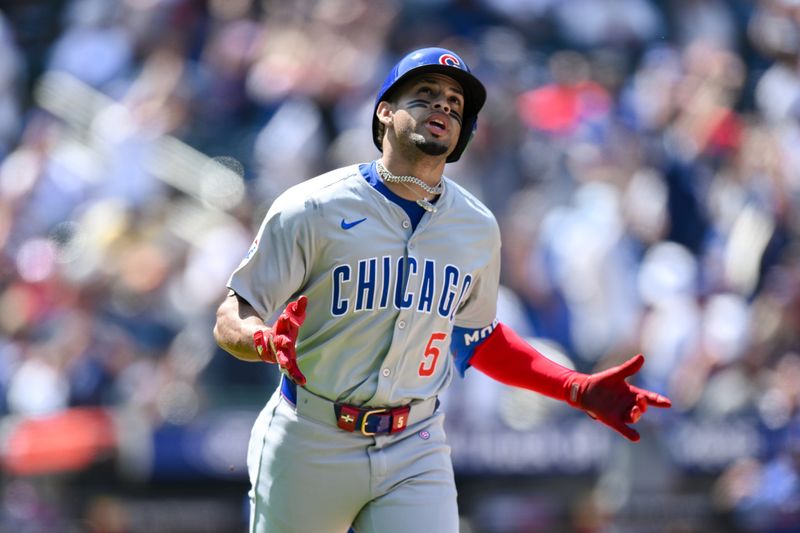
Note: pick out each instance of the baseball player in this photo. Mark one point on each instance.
(391, 274)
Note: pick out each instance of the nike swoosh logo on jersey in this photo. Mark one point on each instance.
(348, 225)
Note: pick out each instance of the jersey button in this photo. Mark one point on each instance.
(406, 224)
(411, 246)
(401, 324)
(386, 372)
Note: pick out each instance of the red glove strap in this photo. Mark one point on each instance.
(260, 339)
(506, 357)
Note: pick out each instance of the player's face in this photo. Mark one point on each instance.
(429, 113)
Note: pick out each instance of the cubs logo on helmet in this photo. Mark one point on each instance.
(449, 59)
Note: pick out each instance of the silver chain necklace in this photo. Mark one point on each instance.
(422, 202)
(405, 180)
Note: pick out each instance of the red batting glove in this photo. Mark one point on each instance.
(607, 397)
(278, 344)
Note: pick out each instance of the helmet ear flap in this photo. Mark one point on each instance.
(464, 140)
(472, 133)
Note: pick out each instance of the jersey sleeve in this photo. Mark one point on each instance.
(476, 316)
(478, 307)
(274, 268)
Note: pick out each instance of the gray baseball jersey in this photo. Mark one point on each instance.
(382, 298)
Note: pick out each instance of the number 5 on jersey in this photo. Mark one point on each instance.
(431, 355)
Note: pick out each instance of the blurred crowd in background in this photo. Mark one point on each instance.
(641, 156)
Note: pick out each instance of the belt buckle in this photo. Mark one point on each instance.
(366, 417)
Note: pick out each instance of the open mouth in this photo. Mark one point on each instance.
(437, 126)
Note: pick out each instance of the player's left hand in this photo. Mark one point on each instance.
(283, 337)
(607, 397)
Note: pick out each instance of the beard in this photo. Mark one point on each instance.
(428, 147)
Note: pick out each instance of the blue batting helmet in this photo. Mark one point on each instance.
(442, 61)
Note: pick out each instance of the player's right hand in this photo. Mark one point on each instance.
(284, 336)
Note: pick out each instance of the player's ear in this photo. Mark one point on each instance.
(385, 113)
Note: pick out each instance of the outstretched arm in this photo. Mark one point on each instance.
(242, 333)
(606, 396)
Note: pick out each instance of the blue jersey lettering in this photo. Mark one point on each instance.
(387, 279)
(403, 299)
(448, 290)
(366, 284)
(379, 282)
(340, 275)
(428, 284)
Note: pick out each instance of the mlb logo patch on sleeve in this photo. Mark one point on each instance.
(252, 250)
